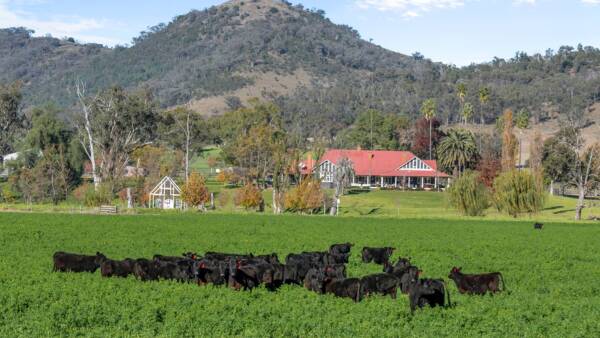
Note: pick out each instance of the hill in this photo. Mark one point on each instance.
(321, 74)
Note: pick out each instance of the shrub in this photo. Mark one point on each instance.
(306, 197)
(469, 195)
(194, 192)
(80, 192)
(517, 192)
(8, 196)
(249, 197)
(96, 198)
(223, 198)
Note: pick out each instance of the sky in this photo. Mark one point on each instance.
(452, 31)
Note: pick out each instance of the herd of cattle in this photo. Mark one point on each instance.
(321, 272)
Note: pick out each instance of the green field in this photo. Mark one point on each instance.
(551, 275)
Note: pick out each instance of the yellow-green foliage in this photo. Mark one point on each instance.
(307, 197)
(469, 195)
(517, 192)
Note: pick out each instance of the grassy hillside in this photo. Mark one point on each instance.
(550, 275)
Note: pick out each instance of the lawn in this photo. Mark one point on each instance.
(551, 275)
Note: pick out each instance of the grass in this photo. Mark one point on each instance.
(551, 276)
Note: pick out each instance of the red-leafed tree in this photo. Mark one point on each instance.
(420, 142)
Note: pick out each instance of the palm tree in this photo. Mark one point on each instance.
(461, 92)
(457, 149)
(467, 112)
(342, 176)
(429, 110)
(484, 98)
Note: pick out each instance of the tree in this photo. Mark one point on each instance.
(420, 141)
(183, 129)
(536, 153)
(194, 192)
(469, 195)
(114, 123)
(517, 192)
(343, 173)
(484, 98)
(467, 112)
(509, 142)
(457, 149)
(522, 123)
(249, 197)
(429, 110)
(307, 197)
(557, 158)
(10, 118)
(461, 93)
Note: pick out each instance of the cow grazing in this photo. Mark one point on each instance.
(377, 255)
(345, 288)
(167, 258)
(538, 226)
(381, 283)
(113, 268)
(64, 261)
(478, 284)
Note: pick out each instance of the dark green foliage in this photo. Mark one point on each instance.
(220, 49)
(551, 275)
(517, 192)
(469, 195)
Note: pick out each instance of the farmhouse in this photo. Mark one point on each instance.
(378, 168)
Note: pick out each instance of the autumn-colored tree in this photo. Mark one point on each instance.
(249, 197)
(489, 167)
(536, 153)
(194, 193)
(306, 197)
(509, 142)
(420, 142)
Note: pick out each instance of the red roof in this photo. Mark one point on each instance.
(380, 163)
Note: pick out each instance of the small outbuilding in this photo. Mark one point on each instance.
(166, 195)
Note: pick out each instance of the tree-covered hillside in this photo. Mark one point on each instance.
(217, 55)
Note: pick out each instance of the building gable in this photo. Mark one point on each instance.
(326, 170)
(415, 164)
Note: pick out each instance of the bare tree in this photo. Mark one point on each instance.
(83, 125)
(342, 176)
(585, 173)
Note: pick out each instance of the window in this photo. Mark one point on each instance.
(326, 172)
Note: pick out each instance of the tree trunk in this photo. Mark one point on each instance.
(430, 140)
(580, 203)
(552, 187)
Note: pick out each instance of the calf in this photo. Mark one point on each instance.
(538, 226)
(112, 268)
(381, 283)
(315, 277)
(345, 288)
(408, 277)
(377, 255)
(64, 261)
(167, 258)
(478, 284)
(430, 292)
(399, 268)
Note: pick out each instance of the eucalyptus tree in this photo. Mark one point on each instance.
(342, 176)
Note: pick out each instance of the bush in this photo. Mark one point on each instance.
(469, 195)
(223, 198)
(194, 192)
(249, 197)
(306, 197)
(100, 197)
(517, 192)
(8, 196)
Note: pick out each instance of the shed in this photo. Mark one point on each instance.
(166, 195)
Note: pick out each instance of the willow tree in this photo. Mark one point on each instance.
(469, 195)
(342, 176)
(456, 150)
(517, 192)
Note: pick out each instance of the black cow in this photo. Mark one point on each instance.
(251, 274)
(345, 288)
(377, 255)
(478, 284)
(271, 258)
(113, 268)
(167, 258)
(430, 292)
(399, 268)
(538, 226)
(145, 269)
(342, 249)
(211, 271)
(315, 277)
(381, 283)
(64, 261)
(409, 276)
